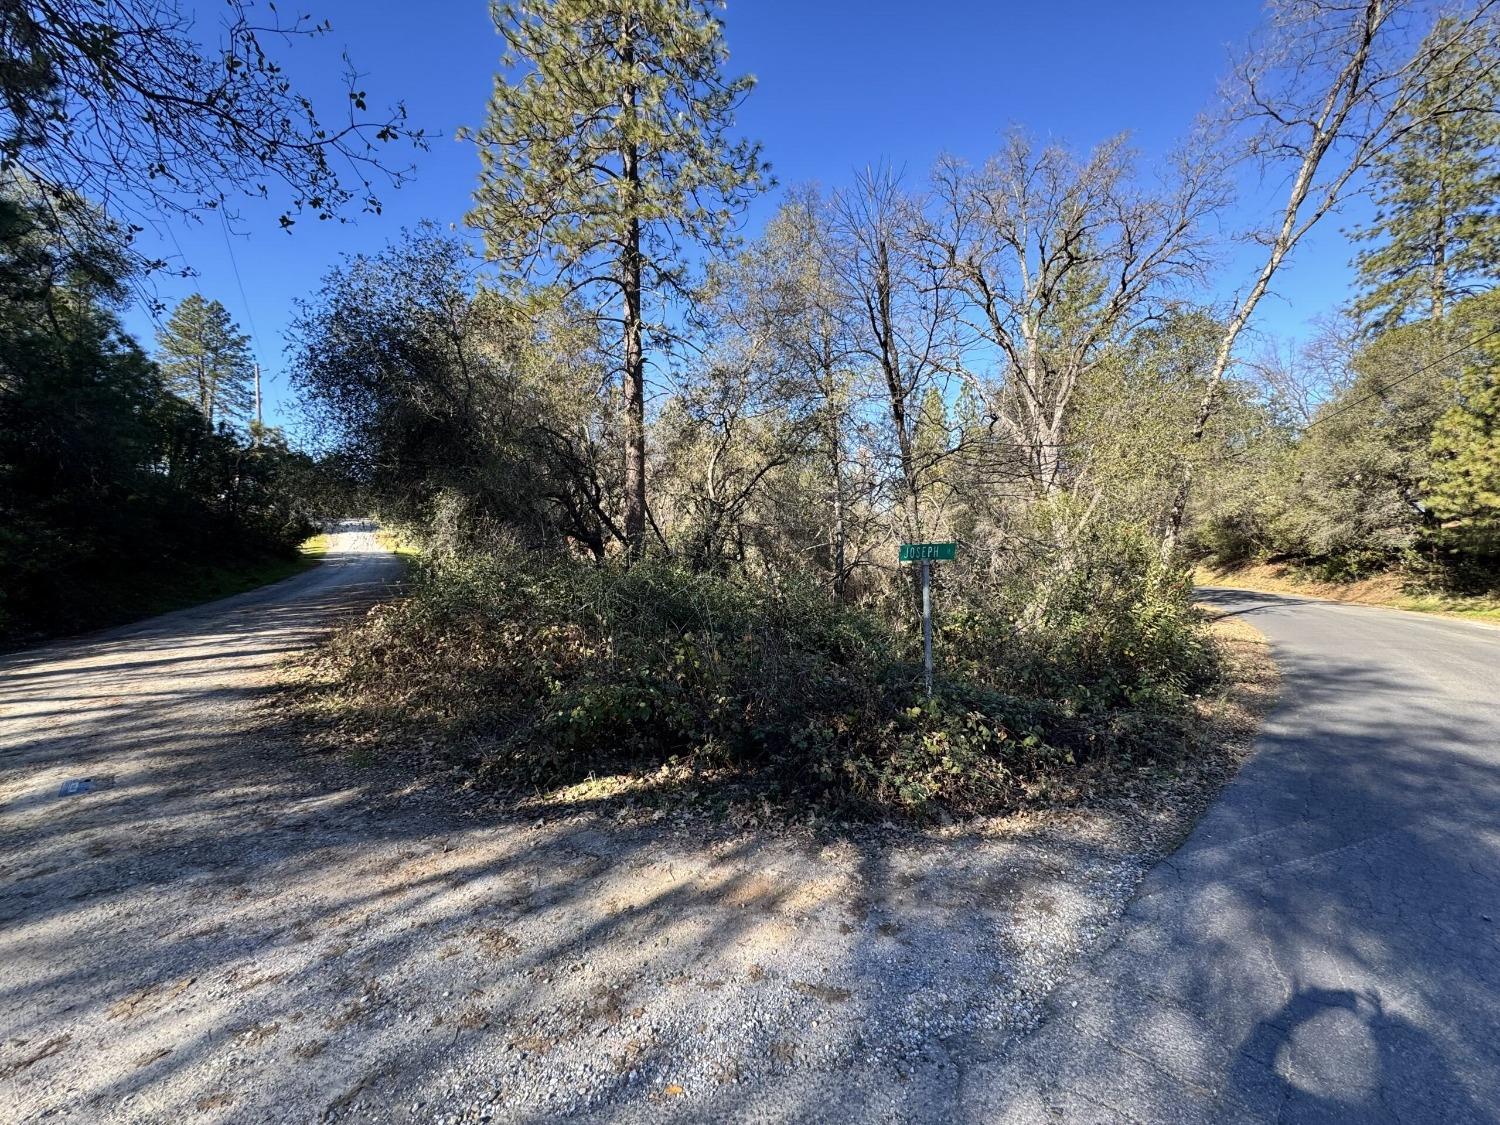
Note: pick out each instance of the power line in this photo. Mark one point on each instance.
(1408, 377)
(234, 265)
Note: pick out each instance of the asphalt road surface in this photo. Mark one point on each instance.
(205, 935)
(1326, 945)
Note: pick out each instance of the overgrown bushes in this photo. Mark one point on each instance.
(536, 670)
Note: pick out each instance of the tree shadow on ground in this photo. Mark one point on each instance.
(1323, 947)
(236, 930)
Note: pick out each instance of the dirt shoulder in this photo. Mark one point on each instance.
(1386, 590)
(229, 930)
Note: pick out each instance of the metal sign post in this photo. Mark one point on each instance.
(927, 625)
(926, 554)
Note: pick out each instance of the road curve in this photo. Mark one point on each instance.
(154, 717)
(1326, 945)
(1323, 948)
(226, 645)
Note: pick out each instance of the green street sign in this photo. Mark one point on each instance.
(934, 552)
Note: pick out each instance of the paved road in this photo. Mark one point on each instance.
(95, 887)
(222, 937)
(1326, 945)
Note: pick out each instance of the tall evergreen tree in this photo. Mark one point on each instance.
(205, 360)
(1463, 480)
(111, 487)
(1437, 188)
(605, 153)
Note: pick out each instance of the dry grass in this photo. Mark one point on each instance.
(398, 543)
(313, 549)
(1390, 590)
(1251, 686)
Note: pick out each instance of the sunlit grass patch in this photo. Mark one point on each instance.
(315, 547)
(398, 543)
(1478, 609)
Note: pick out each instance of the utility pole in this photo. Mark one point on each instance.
(259, 425)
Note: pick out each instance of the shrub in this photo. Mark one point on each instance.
(541, 670)
(1105, 623)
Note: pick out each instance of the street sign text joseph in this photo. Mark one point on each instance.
(936, 552)
(926, 554)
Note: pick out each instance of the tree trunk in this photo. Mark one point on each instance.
(635, 360)
(1440, 242)
(840, 535)
(1439, 282)
(635, 401)
(890, 362)
(1338, 104)
(207, 394)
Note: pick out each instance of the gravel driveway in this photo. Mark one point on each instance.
(222, 928)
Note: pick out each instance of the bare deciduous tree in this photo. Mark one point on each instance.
(903, 308)
(1057, 258)
(807, 317)
(1332, 86)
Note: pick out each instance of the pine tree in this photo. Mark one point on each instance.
(205, 360)
(605, 154)
(1463, 481)
(1437, 188)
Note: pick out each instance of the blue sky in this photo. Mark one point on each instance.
(842, 84)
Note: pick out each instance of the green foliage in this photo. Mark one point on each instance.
(1100, 626)
(1462, 488)
(610, 121)
(1240, 501)
(604, 156)
(571, 667)
(110, 486)
(542, 670)
(1463, 480)
(205, 360)
(1358, 503)
(1437, 186)
(1133, 410)
(441, 398)
(1389, 472)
